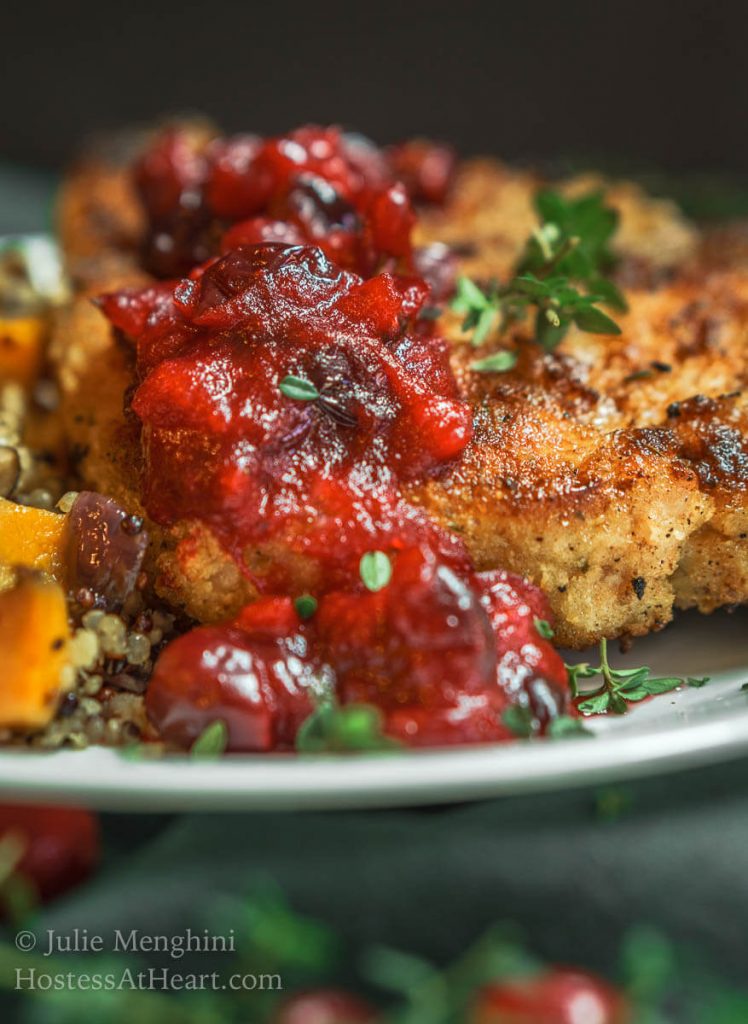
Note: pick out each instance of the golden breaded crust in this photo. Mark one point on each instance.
(188, 567)
(579, 476)
(599, 519)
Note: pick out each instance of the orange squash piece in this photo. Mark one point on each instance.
(34, 638)
(32, 537)
(21, 348)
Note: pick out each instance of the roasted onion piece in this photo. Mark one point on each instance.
(106, 547)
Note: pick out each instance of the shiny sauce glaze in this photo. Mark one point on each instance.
(318, 186)
(287, 387)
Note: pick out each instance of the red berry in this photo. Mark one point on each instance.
(235, 188)
(61, 845)
(330, 189)
(530, 671)
(224, 444)
(426, 169)
(257, 230)
(323, 1006)
(555, 997)
(170, 179)
(422, 641)
(474, 718)
(389, 223)
(257, 679)
(169, 173)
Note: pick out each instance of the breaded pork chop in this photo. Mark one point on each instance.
(612, 472)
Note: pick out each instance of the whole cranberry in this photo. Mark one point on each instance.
(257, 230)
(226, 439)
(530, 671)
(60, 845)
(423, 640)
(234, 188)
(169, 178)
(474, 718)
(256, 676)
(389, 222)
(323, 1006)
(169, 174)
(425, 168)
(555, 997)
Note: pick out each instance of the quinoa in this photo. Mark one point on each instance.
(111, 660)
(111, 653)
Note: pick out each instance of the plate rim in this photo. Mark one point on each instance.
(102, 778)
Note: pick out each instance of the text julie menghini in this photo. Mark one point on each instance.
(80, 940)
(56, 945)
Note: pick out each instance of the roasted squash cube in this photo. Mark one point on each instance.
(21, 348)
(32, 537)
(34, 638)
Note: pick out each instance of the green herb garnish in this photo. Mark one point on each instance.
(561, 274)
(212, 741)
(544, 628)
(376, 570)
(621, 687)
(566, 726)
(305, 606)
(299, 389)
(334, 729)
(499, 362)
(697, 681)
(481, 311)
(519, 720)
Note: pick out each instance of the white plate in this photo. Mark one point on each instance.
(686, 728)
(678, 730)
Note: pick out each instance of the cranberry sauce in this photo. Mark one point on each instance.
(318, 186)
(259, 676)
(286, 389)
(228, 441)
(442, 655)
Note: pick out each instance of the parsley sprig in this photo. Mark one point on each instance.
(561, 275)
(620, 687)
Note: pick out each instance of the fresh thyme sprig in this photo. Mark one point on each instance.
(375, 569)
(306, 606)
(335, 728)
(212, 741)
(620, 687)
(561, 274)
